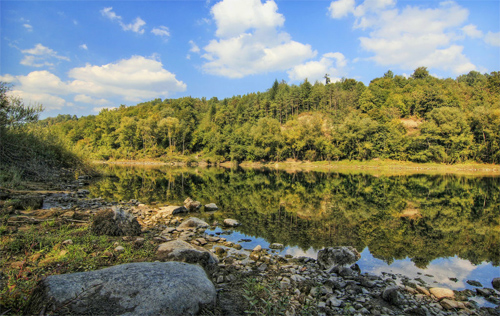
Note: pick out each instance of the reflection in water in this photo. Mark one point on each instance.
(406, 222)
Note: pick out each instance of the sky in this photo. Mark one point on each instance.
(78, 57)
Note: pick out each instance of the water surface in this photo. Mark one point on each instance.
(443, 229)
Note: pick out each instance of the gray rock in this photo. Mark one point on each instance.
(496, 283)
(147, 288)
(231, 222)
(178, 250)
(191, 205)
(392, 295)
(115, 222)
(211, 207)
(192, 223)
(329, 258)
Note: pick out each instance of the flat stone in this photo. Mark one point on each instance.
(441, 293)
(146, 288)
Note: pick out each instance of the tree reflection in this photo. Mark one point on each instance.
(422, 217)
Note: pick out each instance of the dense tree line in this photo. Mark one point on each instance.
(421, 118)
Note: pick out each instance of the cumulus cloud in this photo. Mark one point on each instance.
(82, 98)
(84, 47)
(413, 36)
(49, 101)
(40, 56)
(472, 31)
(249, 40)
(492, 39)
(136, 26)
(331, 63)
(194, 48)
(135, 79)
(161, 31)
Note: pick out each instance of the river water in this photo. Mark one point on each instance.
(443, 229)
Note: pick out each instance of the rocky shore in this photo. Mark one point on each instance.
(248, 280)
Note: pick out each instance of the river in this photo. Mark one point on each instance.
(443, 229)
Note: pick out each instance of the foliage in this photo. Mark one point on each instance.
(394, 117)
(27, 150)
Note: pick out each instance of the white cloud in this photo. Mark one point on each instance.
(330, 63)
(234, 17)
(472, 31)
(7, 78)
(48, 101)
(413, 36)
(136, 26)
(39, 56)
(135, 79)
(249, 41)
(28, 27)
(82, 98)
(84, 47)
(341, 8)
(161, 31)
(492, 38)
(194, 48)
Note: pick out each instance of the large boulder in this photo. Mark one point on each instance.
(179, 250)
(332, 257)
(142, 288)
(191, 205)
(115, 222)
(192, 223)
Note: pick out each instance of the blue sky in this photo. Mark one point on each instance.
(77, 57)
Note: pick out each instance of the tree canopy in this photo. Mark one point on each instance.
(420, 118)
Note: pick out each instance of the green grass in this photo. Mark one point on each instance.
(37, 251)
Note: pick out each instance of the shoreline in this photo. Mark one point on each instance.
(376, 167)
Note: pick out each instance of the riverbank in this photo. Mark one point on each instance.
(376, 167)
(55, 238)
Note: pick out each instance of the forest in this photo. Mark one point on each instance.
(419, 118)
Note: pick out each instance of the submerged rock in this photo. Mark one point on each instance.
(146, 288)
(115, 222)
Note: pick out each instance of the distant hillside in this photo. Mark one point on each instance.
(421, 119)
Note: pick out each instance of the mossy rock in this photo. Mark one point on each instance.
(115, 222)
